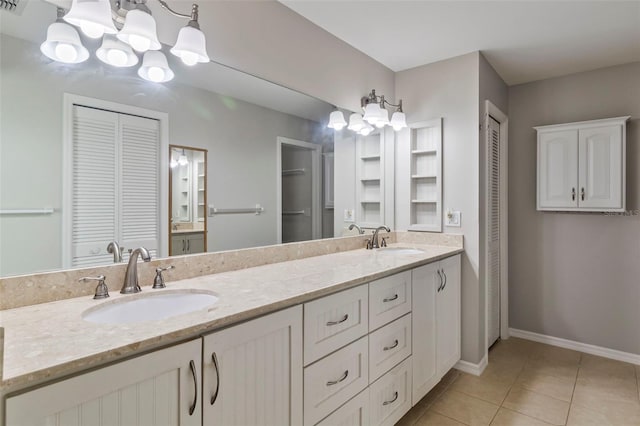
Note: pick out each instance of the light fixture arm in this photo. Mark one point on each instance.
(379, 99)
(193, 17)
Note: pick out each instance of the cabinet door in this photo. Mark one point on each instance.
(252, 372)
(601, 168)
(390, 396)
(178, 245)
(448, 316)
(558, 169)
(195, 243)
(159, 388)
(425, 280)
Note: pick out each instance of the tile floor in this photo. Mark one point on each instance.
(532, 384)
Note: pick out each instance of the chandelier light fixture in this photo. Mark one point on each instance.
(128, 30)
(376, 115)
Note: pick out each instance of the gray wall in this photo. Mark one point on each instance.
(574, 276)
(240, 137)
(450, 89)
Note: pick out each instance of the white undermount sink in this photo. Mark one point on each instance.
(399, 250)
(149, 307)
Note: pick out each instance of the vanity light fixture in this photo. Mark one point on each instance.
(183, 160)
(375, 114)
(103, 18)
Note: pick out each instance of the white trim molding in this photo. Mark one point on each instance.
(577, 346)
(471, 368)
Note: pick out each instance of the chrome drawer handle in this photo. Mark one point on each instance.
(388, 348)
(214, 358)
(330, 323)
(395, 396)
(341, 379)
(390, 299)
(440, 286)
(192, 366)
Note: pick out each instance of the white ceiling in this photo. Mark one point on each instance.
(523, 40)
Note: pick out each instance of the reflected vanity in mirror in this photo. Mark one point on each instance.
(187, 200)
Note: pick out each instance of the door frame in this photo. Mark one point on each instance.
(316, 194)
(68, 101)
(491, 110)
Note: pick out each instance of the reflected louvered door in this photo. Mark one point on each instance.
(493, 234)
(95, 186)
(140, 183)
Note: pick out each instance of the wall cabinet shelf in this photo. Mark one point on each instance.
(370, 180)
(582, 166)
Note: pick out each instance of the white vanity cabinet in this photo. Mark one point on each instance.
(162, 387)
(252, 372)
(436, 323)
(581, 166)
(187, 243)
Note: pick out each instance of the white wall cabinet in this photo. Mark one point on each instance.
(436, 323)
(252, 372)
(162, 387)
(581, 166)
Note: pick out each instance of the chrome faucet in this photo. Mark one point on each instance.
(115, 249)
(374, 240)
(360, 230)
(130, 284)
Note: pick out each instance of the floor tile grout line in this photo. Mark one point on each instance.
(574, 390)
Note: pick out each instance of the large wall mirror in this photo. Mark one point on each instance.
(238, 121)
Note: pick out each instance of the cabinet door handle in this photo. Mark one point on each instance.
(395, 345)
(390, 299)
(330, 323)
(445, 280)
(582, 194)
(573, 194)
(392, 400)
(440, 286)
(188, 245)
(214, 358)
(192, 365)
(341, 379)
(183, 246)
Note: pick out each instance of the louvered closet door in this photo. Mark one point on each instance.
(493, 234)
(95, 186)
(140, 183)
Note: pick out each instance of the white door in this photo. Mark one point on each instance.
(252, 372)
(558, 169)
(493, 220)
(600, 167)
(425, 280)
(161, 388)
(448, 316)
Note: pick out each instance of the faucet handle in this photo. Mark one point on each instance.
(369, 244)
(158, 281)
(102, 291)
(384, 242)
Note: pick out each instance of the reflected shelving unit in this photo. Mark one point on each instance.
(370, 180)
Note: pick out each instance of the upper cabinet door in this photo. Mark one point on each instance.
(558, 170)
(601, 168)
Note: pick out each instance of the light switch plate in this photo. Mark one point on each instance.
(453, 218)
(349, 215)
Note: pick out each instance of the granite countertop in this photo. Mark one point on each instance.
(50, 340)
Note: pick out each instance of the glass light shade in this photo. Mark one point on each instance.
(63, 44)
(191, 46)
(398, 121)
(116, 53)
(139, 31)
(384, 118)
(372, 113)
(336, 120)
(155, 67)
(366, 130)
(355, 122)
(92, 16)
(182, 160)
(173, 163)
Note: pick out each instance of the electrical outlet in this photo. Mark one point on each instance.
(349, 215)
(453, 218)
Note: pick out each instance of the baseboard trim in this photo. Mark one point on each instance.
(471, 368)
(576, 346)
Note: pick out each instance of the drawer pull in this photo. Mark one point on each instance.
(395, 345)
(390, 299)
(341, 379)
(330, 323)
(192, 366)
(214, 358)
(391, 401)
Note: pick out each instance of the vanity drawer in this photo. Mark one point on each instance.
(334, 380)
(390, 396)
(388, 346)
(389, 298)
(334, 321)
(353, 413)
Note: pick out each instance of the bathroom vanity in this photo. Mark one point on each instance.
(356, 336)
